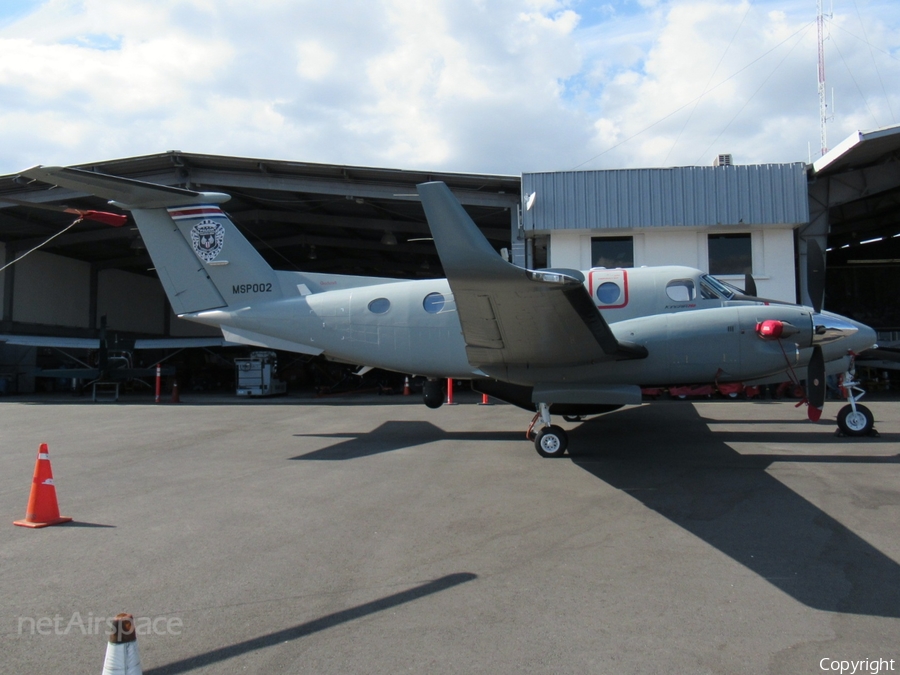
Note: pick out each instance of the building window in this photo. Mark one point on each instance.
(612, 252)
(539, 253)
(730, 254)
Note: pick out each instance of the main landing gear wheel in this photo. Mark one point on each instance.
(433, 394)
(551, 441)
(857, 422)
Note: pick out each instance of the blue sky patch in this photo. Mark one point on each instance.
(98, 41)
(12, 10)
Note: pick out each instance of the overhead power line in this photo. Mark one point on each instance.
(693, 100)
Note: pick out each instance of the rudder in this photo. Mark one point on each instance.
(227, 260)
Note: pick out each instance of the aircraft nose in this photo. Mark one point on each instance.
(828, 328)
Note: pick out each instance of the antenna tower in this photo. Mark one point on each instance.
(823, 106)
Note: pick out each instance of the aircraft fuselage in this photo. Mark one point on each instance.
(691, 333)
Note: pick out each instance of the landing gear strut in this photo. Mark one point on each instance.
(550, 440)
(855, 419)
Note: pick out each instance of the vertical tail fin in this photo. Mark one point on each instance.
(203, 261)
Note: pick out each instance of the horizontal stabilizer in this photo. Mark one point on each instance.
(247, 337)
(125, 192)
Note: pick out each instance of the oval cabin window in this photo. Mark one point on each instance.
(433, 303)
(379, 305)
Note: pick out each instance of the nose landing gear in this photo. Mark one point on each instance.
(854, 419)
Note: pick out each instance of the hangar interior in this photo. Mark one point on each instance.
(300, 216)
(854, 197)
(368, 221)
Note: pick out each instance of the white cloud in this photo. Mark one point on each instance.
(314, 60)
(467, 85)
(763, 110)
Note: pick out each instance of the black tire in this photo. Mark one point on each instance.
(573, 418)
(855, 424)
(551, 441)
(433, 394)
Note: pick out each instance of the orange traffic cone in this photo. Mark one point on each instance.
(406, 386)
(43, 510)
(175, 397)
(122, 656)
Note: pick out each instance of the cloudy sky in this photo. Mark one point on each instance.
(492, 86)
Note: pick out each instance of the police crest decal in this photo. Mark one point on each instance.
(207, 238)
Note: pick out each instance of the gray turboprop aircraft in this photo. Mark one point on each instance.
(552, 341)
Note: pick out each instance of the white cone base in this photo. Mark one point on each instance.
(122, 659)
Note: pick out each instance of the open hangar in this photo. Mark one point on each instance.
(728, 219)
(300, 216)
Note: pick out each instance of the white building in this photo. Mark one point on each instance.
(727, 220)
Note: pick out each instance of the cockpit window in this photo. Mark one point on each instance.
(681, 290)
(713, 289)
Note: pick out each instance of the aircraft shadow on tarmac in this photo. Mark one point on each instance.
(396, 435)
(316, 625)
(677, 464)
(681, 465)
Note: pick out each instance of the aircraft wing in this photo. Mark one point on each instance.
(94, 343)
(509, 315)
(95, 373)
(69, 373)
(49, 341)
(182, 343)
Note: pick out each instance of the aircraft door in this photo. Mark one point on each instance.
(331, 311)
(608, 288)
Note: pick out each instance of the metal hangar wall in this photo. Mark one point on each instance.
(728, 220)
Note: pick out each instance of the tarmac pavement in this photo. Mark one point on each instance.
(373, 535)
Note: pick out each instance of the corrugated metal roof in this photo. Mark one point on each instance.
(759, 194)
(859, 149)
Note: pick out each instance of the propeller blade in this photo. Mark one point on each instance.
(749, 285)
(815, 274)
(815, 384)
